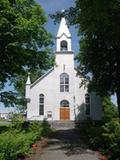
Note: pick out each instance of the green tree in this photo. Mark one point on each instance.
(98, 23)
(100, 44)
(24, 41)
(110, 110)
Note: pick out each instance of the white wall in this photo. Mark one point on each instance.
(80, 92)
(50, 87)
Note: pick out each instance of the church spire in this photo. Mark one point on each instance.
(28, 79)
(63, 37)
(27, 90)
(63, 29)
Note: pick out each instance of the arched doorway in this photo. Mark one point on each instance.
(64, 110)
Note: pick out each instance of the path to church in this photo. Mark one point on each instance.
(66, 144)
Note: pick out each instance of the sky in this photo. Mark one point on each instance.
(50, 7)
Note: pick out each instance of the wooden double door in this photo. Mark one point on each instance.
(64, 113)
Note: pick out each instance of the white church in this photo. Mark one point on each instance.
(58, 94)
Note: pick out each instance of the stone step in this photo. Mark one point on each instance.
(62, 124)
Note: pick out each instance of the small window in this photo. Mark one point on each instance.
(64, 82)
(41, 104)
(64, 46)
(64, 103)
(49, 114)
(87, 102)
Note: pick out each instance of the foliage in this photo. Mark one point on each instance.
(46, 128)
(17, 121)
(93, 132)
(17, 141)
(4, 127)
(8, 97)
(24, 42)
(110, 110)
(100, 44)
(111, 139)
(103, 137)
(36, 127)
(14, 144)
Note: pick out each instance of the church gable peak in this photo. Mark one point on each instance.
(63, 29)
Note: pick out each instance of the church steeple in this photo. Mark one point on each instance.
(28, 79)
(63, 39)
(27, 91)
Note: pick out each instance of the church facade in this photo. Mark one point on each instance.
(58, 94)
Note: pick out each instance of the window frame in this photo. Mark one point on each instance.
(64, 103)
(87, 104)
(64, 82)
(41, 104)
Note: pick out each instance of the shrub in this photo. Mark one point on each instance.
(36, 127)
(105, 137)
(93, 132)
(17, 121)
(4, 128)
(17, 141)
(13, 145)
(46, 129)
(111, 139)
(110, 110)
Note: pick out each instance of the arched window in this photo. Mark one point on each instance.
(63, 46)
(64, 82)
(64, 103)
(41, 104)
(87, 102)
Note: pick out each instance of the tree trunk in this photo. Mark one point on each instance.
(118, 100)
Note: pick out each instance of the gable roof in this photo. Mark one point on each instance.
(39, 79)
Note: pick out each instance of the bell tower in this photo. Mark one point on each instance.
(63, 39)
(64, 54)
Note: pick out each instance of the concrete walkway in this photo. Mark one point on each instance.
(66, 144)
